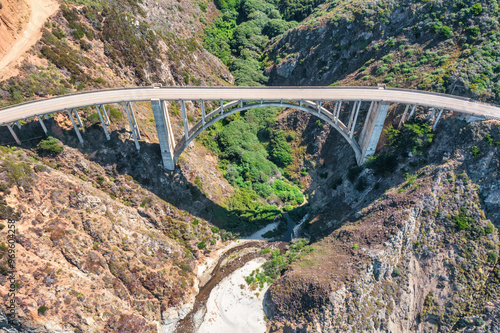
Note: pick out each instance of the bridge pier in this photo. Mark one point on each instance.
(372, 129)
(103, 123)
(133, 125)
(437, 119)
(14, 134)
(74, 126)
(165, 134)
(80, 123)
(40, 120)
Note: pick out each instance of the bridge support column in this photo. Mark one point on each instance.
(40, 120)
(74, 126)
(165, 134)
(185, 118)
(105, 114)
(137, 132)
(202, 112)
(372, 130)
(351, 131)
(133, 125)
(80, 123)
(437, 119)
(102, 121)
(402, 120)
(18, 123)
(14, 134)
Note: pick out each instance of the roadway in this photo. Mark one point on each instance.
(83, 99)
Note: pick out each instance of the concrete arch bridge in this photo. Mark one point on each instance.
(357, 110)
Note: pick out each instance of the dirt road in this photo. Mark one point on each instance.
(41, 10)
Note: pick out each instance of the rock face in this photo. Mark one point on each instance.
(94, 250)
(402, 44)
(422, 257)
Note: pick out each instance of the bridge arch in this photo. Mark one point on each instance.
(308, 99)
(219, 114)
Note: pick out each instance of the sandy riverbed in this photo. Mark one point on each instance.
(231, 308)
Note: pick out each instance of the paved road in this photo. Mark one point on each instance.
(448, 102)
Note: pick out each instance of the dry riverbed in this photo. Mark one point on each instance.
(216, 278)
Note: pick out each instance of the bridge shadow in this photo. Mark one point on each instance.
(118, 156)
(338, 187)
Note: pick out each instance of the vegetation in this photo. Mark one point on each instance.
(272, 269)
(414, 138)
(50, 145)
(240, 35)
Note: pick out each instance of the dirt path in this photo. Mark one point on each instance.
(41, 10)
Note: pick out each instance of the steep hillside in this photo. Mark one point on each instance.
(440, 46)
(96, 250)
(424, 256)
(112, 44)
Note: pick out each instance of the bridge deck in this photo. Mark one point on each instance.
(83, 99)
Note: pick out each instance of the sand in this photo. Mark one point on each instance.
(231, 309)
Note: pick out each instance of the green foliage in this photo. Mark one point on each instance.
(446, 31)
(50, 145)
(477, 9)
(42, 309)
(492, 257)
(462, 221)
(280, 151)
(475, 151)
(489, 228)
(93, 118)
(272, 269)
(355, 246)
(201, 245)
(17, 173)
(415, 137)
(396, 272)
(115, 113)
(297, 9)
(214, 230)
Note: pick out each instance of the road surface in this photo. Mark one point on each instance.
(78, 100)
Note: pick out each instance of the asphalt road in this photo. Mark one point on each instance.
(78, 100)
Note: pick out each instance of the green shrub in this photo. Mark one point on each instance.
(475, 151)
(462, 220)
(477, 9)
(446, 31)
(492, 257)
(42, 309)
(355, 246)
(50, 145)
(114, 113)
(396, 272)
(489, 228)
(201, 245)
